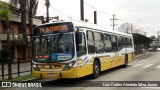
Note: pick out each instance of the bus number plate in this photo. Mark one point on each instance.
(50, 74)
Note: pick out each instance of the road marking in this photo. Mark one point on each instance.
(148, 65)
(152, 87)
(130, 64)
(137, 65)
(158, 66)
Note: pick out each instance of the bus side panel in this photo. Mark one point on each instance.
(105, 63)
(130, 57)
(113, 63)
(84, 70)
(122, 58)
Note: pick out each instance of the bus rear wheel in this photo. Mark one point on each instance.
(96, 69)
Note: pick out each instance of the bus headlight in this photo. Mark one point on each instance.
(36, 68)
(69, 65)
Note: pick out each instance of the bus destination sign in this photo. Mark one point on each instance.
(53, 28)
(56, 28)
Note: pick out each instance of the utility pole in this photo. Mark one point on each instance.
(95, 17)
(47, 4)
(131, 28)
(113, 19)
(145, 33)
(158, 40)
(82, 9)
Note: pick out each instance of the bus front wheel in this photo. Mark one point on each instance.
(96, 69)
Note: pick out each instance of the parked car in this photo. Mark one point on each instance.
(150, 49)
(158, 49)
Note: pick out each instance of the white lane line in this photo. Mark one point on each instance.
(151, 88)
(136, 65)
(148, 65)
(130, 64)
(158, 66)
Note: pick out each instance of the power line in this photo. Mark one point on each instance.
(158, 39)
(55, 10)
(78, 0)
(94, 8)
(60, 12)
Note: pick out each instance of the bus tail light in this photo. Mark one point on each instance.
(69, 65)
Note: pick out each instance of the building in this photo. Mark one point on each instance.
(17, 51)
(156, 43)
(141, 43)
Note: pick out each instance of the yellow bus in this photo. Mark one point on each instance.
(76, 49)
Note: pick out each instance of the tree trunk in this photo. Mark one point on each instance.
(9, 52)
(23, 19)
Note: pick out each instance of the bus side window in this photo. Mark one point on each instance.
(90, 40)
(124, 42)
(114, 42)
(120, 42)
(107, 43)
(130, 42)
(81, 44)
(99, 45)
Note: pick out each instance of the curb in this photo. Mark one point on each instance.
(30, 80)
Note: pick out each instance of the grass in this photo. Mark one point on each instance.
(18, 79)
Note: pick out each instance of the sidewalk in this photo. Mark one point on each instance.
(15, 65)
(142, 54)
(23, 67)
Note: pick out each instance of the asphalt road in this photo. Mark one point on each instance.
(143, 68)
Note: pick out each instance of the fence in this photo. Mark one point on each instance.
(18, 68)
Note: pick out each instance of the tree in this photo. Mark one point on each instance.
(153, 37)
(27, 9)
(125, 27)
(23, 12)
(5, 16)
(5, 13)
(33, 4)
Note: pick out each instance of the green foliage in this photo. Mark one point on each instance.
(4, 5)
(153, 37)
(5, 13)
(18, 79)
(20, 41)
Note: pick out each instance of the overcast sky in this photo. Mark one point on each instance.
(144, 14)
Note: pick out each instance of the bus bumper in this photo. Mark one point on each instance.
(59, 74)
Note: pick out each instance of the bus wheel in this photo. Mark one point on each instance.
(96, 69)
(126, 61)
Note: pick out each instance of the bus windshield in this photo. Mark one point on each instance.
(54, 48)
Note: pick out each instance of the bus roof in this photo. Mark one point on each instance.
(94, 26)
(88, 25)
